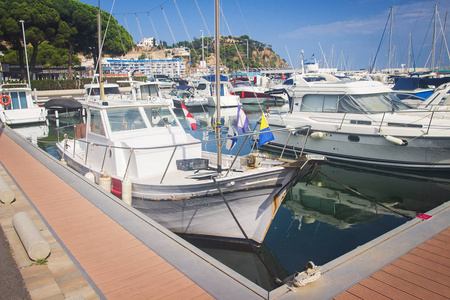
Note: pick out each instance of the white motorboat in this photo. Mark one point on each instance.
(186, 95)
(248, 92)
(161, 170)
(207, 88)
(18, 107)
(173, 181)
(362, 122)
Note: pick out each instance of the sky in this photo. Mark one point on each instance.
(339, 33)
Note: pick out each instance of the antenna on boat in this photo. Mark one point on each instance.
(217, 50)
(26, 55)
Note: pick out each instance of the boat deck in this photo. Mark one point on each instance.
(422, 273)
(121, 252)
(117, 252)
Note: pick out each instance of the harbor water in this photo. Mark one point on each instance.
(342, 208)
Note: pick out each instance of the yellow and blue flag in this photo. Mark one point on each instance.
(265, 135)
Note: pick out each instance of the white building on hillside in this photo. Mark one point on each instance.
(147, 67)
(147, 42)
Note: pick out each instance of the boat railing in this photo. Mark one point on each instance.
(422, 115)
(76, 138)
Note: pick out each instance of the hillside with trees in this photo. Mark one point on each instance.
(61, 28)
(57, 30)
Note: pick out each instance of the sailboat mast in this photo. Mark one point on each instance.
(99, 39)
(218, 117)
(390, 40)
(434, 39)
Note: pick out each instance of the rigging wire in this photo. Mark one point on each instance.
(237, 50)
(198, 7)
(126, 23)
(185, 28)
(153, 25)
(139, 27)
(120, 37)
(170, 28)
(381, 41)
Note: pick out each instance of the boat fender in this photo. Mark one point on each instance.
(8, 101)
(105, 182)
(90, 176)
(395, 140)
(127, 190)
(63, 161)
(292, 130)
(317, 135)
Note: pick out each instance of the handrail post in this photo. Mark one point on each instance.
(128, 163)
(431, 119)
(381, 123)
(342, 122)
(104, 157)
(236, 156)
(304, 143)
(168, 164)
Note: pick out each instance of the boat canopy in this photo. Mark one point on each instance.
(212, 78)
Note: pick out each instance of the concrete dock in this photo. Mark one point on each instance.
(102, 248)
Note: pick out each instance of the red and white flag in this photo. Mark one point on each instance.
(189, 117)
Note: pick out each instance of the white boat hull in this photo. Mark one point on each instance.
(371, 149)
(187, 204)
(23, 116)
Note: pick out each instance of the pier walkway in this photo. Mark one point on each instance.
(103, 249)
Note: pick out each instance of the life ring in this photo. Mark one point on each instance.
(7, 102)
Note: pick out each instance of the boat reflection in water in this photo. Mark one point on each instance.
(324, 220)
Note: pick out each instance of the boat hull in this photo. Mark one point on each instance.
(199, 206)
(23, 116)
(374, 150)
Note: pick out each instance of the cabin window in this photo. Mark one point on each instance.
(148, 91)
(18, 101)
(121, 119)
(201, 87)
(96, 121)
(213, 89)
(289, 82)
(348, 105)
(374, 103)
(160, 117)
(319, 103)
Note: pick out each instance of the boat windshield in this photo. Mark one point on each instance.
(108, 91)
(130, 118)
(375, 103)
(160, 117)
(356, 104)
(148, 91)
(123, 119)
(243, 84)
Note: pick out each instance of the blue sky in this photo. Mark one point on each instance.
(344, 33)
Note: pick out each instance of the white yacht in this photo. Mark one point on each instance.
(248, 92)
(17, 105)
(362, 122)
(207, 88)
